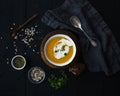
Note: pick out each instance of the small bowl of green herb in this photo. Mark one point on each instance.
(18, 62)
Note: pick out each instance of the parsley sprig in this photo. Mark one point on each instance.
(58, 81)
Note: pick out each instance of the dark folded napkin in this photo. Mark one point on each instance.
(106, 56)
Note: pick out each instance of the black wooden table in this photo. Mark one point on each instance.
(16, 83)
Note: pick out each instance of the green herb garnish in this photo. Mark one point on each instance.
(58, 81)
(65, 54)
(56, 51)
(63, 47)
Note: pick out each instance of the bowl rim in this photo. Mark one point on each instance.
(16, 57)
(74, 48)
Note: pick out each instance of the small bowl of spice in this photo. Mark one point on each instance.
(18, 62)
(36, 75)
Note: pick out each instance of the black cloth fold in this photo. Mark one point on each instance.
(106, 56)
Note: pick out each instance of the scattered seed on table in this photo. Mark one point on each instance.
(7, 62)
(20, 35)
(11, 28)
(14, 45)
(6, 47)
(14, 42)
(16, 50)
(16, 37)
(15, 53)
(33, 50)
(7, 58)
(37, 32)
(25, 53)
(41, 38)
(31, 39)
(36, 26)
(14, 24)
(25, 41)
(32, 28)
(38, 53)
(22, 29)
(1, 38)
(35, 45)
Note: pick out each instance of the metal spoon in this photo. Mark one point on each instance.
(76, 23)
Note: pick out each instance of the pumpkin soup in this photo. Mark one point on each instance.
(60, 49)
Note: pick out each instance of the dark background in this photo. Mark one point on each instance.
(14, 83)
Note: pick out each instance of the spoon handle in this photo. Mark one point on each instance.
(94, 44)
(77, 24)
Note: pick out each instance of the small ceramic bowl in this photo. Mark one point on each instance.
(18, 62)
(36, 75)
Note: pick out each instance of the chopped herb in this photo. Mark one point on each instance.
(56, 51)
(63, 47)
(65, 54)
(58, 81)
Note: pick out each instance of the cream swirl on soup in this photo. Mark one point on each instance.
(62, 48)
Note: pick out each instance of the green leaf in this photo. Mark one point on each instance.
(57, 81)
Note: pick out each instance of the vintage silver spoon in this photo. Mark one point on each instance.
(77, 24)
